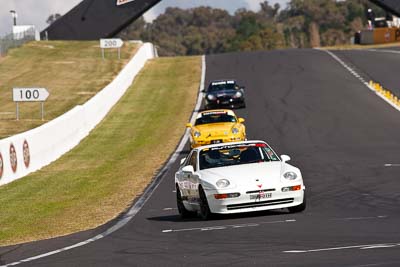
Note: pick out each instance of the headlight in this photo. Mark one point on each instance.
(222, 183)
(235, 130)
(290, 175)
(211, 97)
(238, 95)
(197, 134)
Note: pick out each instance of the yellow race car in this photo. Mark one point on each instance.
(216, 126)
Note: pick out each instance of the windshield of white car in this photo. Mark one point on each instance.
(228, 155)
(215, 118)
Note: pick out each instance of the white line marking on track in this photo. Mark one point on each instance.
(145, 196)
(377, 264)
(224, 227)
(246, 225)
(169, 208)
(380, 246)
(383, 51)
(341, 62)
(213, 228)
(392, 165)
(351, 70)
(371, 246)
(236, 226)
(361, 218)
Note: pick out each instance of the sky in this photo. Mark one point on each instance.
(36, 12)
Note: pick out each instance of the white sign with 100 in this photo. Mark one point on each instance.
(30, 95)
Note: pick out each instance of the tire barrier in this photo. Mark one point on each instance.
(30, 151)
(386, 35)
(13, 158)
(385, 93)
(379, 36)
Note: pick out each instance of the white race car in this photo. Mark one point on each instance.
(237, 177)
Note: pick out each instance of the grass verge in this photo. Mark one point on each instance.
(98, 179)
(72, 71)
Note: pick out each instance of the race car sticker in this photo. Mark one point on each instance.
(261, 145)
(222, 82)
(13, 158)
(214, 113)
(271, 154)
(123, 2)
(225, 147)
(1, 166)
(230, 112)
(218, 83)
(26, 153)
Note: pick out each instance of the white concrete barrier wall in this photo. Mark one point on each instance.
(30, 151)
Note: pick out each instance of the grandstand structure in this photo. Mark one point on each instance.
(95, 19)
(392, 6)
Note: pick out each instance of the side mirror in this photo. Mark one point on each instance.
(203, 91)
(241, 120)
(189, 125)
(183, 160)
(285, 158)
(188, 169)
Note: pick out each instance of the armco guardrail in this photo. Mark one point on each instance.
(30, 151)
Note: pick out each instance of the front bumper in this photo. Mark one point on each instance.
(243, 203)
(226, 102)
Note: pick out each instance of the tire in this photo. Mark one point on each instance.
(299, 208)
(183, 212)
(204, 211)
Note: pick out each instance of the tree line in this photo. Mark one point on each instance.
(206, 30)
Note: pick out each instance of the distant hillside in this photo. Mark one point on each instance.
(303, 23)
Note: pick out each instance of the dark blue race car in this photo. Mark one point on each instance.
(224, 93)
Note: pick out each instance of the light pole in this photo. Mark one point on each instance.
(15, 16)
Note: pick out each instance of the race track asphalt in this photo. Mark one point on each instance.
(341, 135)
(378, 65)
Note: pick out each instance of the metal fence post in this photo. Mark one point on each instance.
(9, 41)
(17, 111)
(42, 110)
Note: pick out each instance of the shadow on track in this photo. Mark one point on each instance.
(220, 217)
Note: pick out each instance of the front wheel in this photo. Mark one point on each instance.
(299, 208)
(204, 211)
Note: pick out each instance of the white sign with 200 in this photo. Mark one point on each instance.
(111, 43)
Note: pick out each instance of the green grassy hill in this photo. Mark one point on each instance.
(71, 71)
(98, 179)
